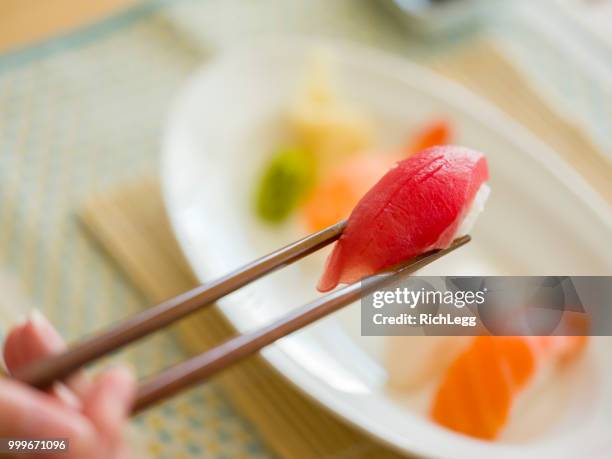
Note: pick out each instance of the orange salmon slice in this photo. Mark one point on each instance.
(478, 391)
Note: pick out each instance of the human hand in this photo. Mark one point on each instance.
(90, 413)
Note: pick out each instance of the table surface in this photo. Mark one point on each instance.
(23, 22)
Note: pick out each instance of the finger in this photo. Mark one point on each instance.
(36, 339)
(109, 402)
(33, 340)
(34, 414)
(122, 451)
(12, 351)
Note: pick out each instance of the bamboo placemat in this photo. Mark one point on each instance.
(131, 225)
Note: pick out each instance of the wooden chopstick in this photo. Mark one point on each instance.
(199, 368)
(45, 371)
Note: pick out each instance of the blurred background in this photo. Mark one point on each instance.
(85, 92)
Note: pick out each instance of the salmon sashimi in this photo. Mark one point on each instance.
(335, 197)
(477, 393)
(418, 205)
(435, 133)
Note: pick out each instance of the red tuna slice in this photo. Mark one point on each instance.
(416, 206)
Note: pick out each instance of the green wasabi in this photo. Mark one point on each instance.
(285, 182)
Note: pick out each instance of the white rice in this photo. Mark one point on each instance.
(477, 207)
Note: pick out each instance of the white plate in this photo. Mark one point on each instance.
(541, 219)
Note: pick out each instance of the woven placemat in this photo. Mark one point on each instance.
(131, 225)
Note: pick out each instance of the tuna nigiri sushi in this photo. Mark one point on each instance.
(421, 204)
